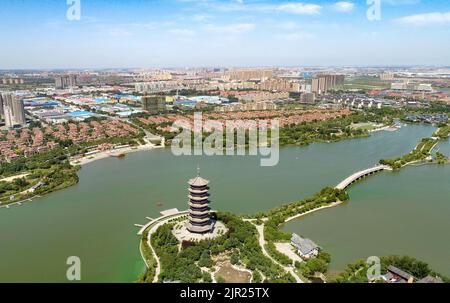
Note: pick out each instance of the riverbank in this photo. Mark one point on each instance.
(313, 211)
(18, 203)
(112, 153)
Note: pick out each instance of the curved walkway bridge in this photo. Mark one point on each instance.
(361, 175)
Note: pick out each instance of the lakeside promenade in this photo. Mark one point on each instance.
(112, 153)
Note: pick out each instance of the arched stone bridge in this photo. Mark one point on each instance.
(361, 175)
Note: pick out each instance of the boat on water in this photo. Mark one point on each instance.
(120, 155)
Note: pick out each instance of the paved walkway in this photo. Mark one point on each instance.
(154, 225)
(10, 179)
(262, 243)
(288, 250)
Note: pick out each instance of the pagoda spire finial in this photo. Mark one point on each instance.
(198, 170)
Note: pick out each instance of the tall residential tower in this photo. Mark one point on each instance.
(2, 116)
(13, 110)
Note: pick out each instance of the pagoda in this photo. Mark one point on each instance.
(199, 220)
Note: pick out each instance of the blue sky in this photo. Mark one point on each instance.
(187, 33)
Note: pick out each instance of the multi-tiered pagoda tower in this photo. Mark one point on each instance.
(199, 221)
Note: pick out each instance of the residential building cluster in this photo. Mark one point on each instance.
(156, 86)
(411, 86)
(253, 106)
(262, 96)
(12, 81)
(26, 142)
(285, 118)
(153, 76)
(428, 118)
(92, 131)
(250, 74)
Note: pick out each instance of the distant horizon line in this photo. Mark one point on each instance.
(226, 67)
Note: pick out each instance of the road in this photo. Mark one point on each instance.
(158, 263)
(262, 243)
(154, 225)
(10, 179)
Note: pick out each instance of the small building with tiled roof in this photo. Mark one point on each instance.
(396, 275)
(305, 247)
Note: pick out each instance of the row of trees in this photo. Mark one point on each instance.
(279, 215)
(443, 132)
(421, 152)
(150, 270)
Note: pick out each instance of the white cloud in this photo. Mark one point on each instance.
(299, 8)
(425, 19)
(343, 6)
(401, 2)
(231, 28)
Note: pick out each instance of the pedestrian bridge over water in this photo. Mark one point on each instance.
(361, 175)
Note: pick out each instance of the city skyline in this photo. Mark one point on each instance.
(190, 33)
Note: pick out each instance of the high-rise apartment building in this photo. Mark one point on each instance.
(323, 83)
(275, 85)
(13, 81)
(387, 76)
(13, 110)
(66, 81)
(156, 86)
(154, 104)
(2, 116)
(308, 98)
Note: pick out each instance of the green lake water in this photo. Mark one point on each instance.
(95, 219)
